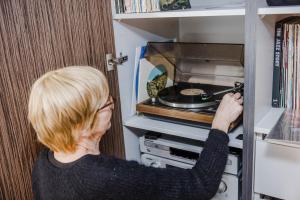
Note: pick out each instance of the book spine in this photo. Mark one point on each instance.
(117, 7)
(122, 6)
(127, 6)
(277, 64)
(290, 104)
(298, 64)
(134, 6)
(285, 66)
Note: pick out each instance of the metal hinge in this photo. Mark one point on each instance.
(111, 61)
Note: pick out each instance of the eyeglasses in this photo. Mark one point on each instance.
(109, 102)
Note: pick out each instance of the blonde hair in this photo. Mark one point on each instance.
(62, 101)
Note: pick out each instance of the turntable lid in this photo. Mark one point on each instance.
(197, 62)
(178, 51)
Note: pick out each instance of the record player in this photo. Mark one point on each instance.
(188, 80)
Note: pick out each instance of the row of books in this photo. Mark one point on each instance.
(286, 74)
(141, 6)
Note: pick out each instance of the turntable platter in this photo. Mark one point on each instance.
(188, 95)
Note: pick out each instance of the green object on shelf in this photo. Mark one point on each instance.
(156, 85)
(166, 5)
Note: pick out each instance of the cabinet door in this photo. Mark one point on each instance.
(37, 36)
(277, 170)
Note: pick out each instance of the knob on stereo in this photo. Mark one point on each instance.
(222, 187)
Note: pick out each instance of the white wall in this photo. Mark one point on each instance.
(228, 29)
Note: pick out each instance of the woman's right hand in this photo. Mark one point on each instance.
(228, 111)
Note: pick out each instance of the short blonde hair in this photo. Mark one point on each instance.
(63, 100)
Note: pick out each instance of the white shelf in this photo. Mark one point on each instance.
(277, 10)
(183, 13)
(265, 125)
(145, 123)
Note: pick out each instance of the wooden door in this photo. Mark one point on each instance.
(37, 36)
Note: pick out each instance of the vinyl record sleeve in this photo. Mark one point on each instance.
(287, 130)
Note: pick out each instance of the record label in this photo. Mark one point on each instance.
(192, 92)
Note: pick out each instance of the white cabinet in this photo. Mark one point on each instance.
(214, 25)
(276, 167)
(196, 25)
(277, 170)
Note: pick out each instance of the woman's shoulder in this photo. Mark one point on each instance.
(107, 161)
(89, 165)
(41, 158)
(39, 164)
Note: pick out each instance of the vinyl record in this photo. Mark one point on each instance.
(188, 95)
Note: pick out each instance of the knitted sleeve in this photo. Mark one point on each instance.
(129, 180)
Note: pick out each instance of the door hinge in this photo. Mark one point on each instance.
(111, 61)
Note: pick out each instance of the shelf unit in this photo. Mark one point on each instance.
(214, 25)
(266, 116)
(271, 160)
(158, 27)
(279, 10)
(252, 25)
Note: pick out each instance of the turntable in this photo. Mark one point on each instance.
(203, 74)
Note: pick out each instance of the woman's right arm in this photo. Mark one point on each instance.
(133, 181)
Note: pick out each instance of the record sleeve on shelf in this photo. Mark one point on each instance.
(154, 74)
(193, 80)
(286, 74)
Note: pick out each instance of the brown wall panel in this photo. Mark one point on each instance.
(37, 36)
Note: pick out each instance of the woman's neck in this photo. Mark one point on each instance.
(84, 147)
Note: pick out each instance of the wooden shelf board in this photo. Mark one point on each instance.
(150, 124)
(265, 125)
(183, 13)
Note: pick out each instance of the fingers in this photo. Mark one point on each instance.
(236, 96)
(228, 95)
(240, 109)
(240, 100)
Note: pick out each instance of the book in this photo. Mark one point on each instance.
(283, 2)
(298, 63)
(140, 6)
(117, 6)
(127, 6)
(277, 64)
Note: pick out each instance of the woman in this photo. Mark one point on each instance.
(70, 110)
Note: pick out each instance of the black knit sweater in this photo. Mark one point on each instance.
(103, 177)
